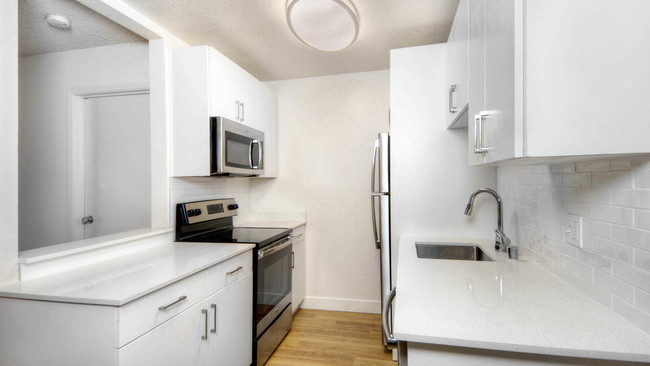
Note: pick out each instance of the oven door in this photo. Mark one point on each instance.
(273, 282)
(236, 149)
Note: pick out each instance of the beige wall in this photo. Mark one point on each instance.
(8, 139)
(326, 131)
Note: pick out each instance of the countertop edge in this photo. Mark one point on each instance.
(524, 348)
(114, 303)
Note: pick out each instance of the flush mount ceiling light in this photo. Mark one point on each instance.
(326, 25)
(58, 21)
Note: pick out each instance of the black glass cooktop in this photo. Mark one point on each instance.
(259, 236)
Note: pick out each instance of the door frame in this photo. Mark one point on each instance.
(76, 147)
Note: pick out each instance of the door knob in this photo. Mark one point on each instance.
(88, 220)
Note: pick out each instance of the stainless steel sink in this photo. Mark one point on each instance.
(454, 251)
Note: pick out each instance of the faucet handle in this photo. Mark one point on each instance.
(502, 242)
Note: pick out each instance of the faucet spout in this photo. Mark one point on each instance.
(502, 241)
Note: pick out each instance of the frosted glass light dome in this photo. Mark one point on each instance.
(326, 25)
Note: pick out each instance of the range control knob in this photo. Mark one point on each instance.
(191, 213)
(234, 206)
(197, 211)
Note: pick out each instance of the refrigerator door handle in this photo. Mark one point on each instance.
(374, 167)
(385, 321)
(374, 219)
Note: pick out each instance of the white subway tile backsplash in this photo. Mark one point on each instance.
(615, 215)
(633, 276)
(608, 248)
(642, 219)
(638, 198)
(613, 197)
(594, 195)
(642, 259)
(594, 260)
(593, 166)
(594, 292)
(563, 168)
(615, 286)
(634, 237)
(580, 269)
(576, 180)
(632, 314)
(620, 179)
(642, 300)
(597, 228)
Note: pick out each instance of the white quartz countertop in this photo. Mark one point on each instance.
(508, 305)
(117, 281)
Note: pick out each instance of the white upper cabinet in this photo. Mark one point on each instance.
(456, 59)
(204, 84)
(552, 78)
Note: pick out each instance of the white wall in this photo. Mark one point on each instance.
(8, 140)
(430, 178)
(613, 197)
(326, 131)
(45, 81)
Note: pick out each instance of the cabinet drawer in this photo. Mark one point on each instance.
(227, 272)
(298, 233)
(144, 314)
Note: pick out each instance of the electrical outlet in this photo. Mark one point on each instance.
(573, 233)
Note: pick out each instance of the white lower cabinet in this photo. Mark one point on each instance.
(298, 265)
(203, 319)
(176, 342)
(230, 338)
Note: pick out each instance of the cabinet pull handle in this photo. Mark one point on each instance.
(452, 90)
(234, 271)
(205, 334)
(479, 148)
(238, 109)
(293, 261)
(163, 308)
(214, 325)
(243, 109)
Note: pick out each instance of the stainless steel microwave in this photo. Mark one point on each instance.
(235, 149)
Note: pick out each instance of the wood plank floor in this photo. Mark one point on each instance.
(321, 337)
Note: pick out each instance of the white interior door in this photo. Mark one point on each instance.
(117, 154)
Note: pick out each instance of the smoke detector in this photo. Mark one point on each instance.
(58, 21)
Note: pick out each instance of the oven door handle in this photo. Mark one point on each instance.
(275, 248)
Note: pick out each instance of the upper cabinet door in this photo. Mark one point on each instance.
(498, 122)
(247, 95)
(476, 78)
(457, 73)
(225, 97)
(267, 122)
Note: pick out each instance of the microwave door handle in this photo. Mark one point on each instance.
(260, 154)
(256, 165)
(250, 154)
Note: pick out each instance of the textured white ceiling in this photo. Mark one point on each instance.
(89, 29)
(254, 33)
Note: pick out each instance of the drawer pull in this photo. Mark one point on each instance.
(163, 308)
(214, 326)
(234, 271)
(205, 335)
(298, 236)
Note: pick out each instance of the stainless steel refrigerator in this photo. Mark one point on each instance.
(380, 196)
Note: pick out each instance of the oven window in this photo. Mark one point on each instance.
(273, 281)
(238, 150)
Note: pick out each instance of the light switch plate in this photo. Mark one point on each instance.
(573, 233)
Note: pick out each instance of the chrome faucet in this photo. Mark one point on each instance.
(502, 242)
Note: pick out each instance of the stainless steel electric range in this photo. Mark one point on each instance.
(212, 221)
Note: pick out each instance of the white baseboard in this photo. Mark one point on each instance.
(335, 304)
